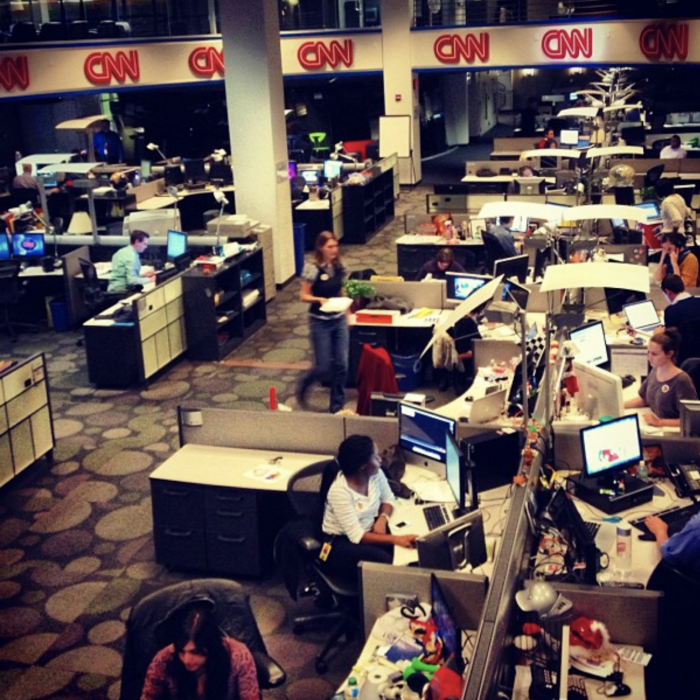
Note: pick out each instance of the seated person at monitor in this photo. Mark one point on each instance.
(126, 265)
(667, 385)
(527, 171)
(674, 149)
(547, 139)
(505, 236)
(439, 266)
(357, 510)
(25, 181)
(682, 550)
(676, 259)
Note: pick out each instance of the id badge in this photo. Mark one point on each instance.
(325, 551)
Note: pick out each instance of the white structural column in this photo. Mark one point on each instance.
(400, 84)
(255, 105)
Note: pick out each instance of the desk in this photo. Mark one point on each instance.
(190, 203)
(210, 515)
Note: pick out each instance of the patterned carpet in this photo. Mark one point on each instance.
(76, 551)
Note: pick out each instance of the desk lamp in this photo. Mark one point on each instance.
(49, 262)
(338, 153)
(220, 197)
(155, 147)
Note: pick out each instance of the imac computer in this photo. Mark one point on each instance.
(28, 245)
(528, 185)
(461, 285)
(512, 267)
(173, 175)
(687, 192)
(454, 545)
(590, 343)
(332, 169)
(422, 434)
(569, 137)
(177, 249)
(690, 418)
(5, 253)
(520, 224)
(599, 391)
(195, 172)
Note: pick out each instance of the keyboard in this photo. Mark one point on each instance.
(435, 516)
(675, 518)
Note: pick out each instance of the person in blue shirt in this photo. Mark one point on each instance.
(682, 550)
(126, 265)
(108, 146)
(505, 236)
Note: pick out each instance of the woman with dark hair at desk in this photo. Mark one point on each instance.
(201, 663)
(330, 337)
(439, 266)
(666, 384)
(357, 510)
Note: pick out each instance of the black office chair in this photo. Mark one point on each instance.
(296, 553)
(494, 250)
(94, 296)
(23, 31)
(691, 366)
(11, 290)
(53, 31)
(151, 623)
(24, 195)
(654, 175)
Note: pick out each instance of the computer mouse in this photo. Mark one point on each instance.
(617, 690)
(637, 341)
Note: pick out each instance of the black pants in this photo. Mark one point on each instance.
(344, 556)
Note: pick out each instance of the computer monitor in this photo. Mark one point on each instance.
(173, 175)
(569, 137)
(453, 472)
(512, 267)
(618, 298)
(609, 448)
(690, 418)
(177, 245)
(28, 245)
(591, 344)
(194, 170)
(514, 292)
(542, 258)
(444, 620)
(5, 253)
(454, 545)
(50, 179)
(311, 176)
(528, 185)
(618, 223)
(332, 169)
(599, 391)
(650, 209)
(520, 224)
(461, 285)
(685, 191)
(422, 433)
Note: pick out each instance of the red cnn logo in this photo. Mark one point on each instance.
(560, 43)
(102, 67)
(659, 41)
(14, 72)
(315, 54)
(451, 48)
(206, 60)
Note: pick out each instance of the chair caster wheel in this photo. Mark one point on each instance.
(298, 629)
(321, 666)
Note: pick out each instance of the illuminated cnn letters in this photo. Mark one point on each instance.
(313, 55)
(571, 43)
(204, 61)
(102, 67)
(452, 48)
(14, 73)
(659, 41)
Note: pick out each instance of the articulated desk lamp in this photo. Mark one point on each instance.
(220, 197)
(155, 147)
(48, 262)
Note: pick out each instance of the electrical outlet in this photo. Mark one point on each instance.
(396, 600)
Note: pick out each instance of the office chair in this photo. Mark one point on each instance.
(53, 31)
(23, 31)
(11, 289)
(94, 296)
(153, 619)
(653, 175)
(319, 144)
(494, 250)
(22, 195)
(296, 551)
(691, 365)
(78, 29)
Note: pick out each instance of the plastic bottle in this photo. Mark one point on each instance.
(642, 470)
(623, 558)
(352, 690)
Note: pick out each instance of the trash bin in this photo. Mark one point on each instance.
(299, 244)
(407, 369)
(59, 315)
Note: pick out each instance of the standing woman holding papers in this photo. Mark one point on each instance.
(666, 384)
(321, 286)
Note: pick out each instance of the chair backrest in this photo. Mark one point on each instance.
(308, 488)
(653, 175)
(92, 293)
(691, 366)
(494, 250)
(9, 282)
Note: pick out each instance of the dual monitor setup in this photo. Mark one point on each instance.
(461, 285)
(316, 174)
(192, 173)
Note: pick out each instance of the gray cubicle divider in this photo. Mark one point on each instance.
(77, 313)
(465, 593)
(496, 349)
(384, 431)
(429, 295)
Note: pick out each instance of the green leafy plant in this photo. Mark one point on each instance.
(359, 289)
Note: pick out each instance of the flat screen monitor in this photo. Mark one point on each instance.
(49, 179)
(332, 169)
(454, 545)
(617, 299)
(690, 418)
(619, 223)
(651, 210)
(173, 175)
(685, 191)
(461, 285)
(447, 626)
(292, 169)
(568, 137)
(5, 253)
(28, 245)
(177, 245)
(610, 447)
(194, 170)
(520, 224)
(512, 267)
(311, 176)
(529, 185)
(453, 470)
(591, 344)
(599, 391)
(573, 96)
(515, 292)
(423, 433)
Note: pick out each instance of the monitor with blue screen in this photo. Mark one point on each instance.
(177, 244)
(422, 433)
(652, 210)
(28, 245)
(4, 247)
(461, 285)
(311, 176)
(332, 169)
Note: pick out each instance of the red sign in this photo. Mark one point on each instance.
(316, 54)
(574, 43)
(101, 67)
(206, 60)
(452, 48)
(659, 41)
(14, 72)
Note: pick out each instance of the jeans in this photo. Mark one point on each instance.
(330, 340)
(345, 556)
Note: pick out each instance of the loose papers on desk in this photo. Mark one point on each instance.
(267, 473)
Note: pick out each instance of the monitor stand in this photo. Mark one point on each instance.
(612, 497)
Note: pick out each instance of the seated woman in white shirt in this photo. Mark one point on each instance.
(356, 515)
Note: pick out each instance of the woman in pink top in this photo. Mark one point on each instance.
(202, 664)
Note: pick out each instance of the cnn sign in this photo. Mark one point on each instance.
(205, 61)
(313, 55)
(14, 73)
(659, 41)
(103, 67)
(453, 48)
(568, 43)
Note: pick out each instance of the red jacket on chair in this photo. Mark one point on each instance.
(375, 373)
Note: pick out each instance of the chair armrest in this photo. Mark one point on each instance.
(309, 544)
(270, 673)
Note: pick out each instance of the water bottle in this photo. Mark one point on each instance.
(623, 549)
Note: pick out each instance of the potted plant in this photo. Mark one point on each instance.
(360, 292)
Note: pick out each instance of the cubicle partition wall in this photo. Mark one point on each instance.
(77, 313)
